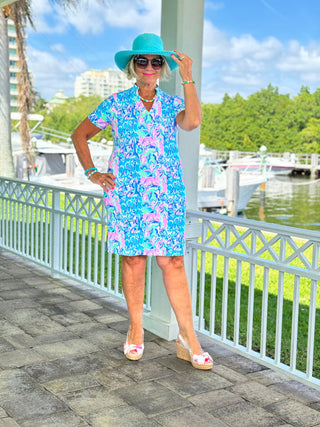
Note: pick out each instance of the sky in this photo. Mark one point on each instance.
(247, 44)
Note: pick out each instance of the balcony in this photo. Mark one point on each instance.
(12, 32)
(14, 92)
(64, 322)
(13, 102)
(14, 69)
(13, 57)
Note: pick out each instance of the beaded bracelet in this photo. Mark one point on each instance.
(188, 81)
(90, 169)
(91, 173)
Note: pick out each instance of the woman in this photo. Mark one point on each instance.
(144, 190)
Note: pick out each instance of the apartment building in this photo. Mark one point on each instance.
(101, 82)
(13, 65)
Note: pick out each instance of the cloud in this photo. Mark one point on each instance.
(305, 59)
(48, 19)
(51, 74)
(243, 80)
(219, 47)
(214, 5)
(58, 47)
(245, 64)
(92, 16)
(233, 64)
(272, 9)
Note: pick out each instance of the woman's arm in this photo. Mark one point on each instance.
(80, 137)
(190, 118)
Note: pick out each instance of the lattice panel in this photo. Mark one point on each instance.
(284, 248)
(84, 206)
(25, 192)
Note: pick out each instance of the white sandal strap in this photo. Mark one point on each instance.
(202, 359)
(128, 348)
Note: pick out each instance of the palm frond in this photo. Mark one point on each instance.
(20, 14)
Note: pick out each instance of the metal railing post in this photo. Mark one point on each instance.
(56, 234)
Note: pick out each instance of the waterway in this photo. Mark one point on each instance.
(293, 201)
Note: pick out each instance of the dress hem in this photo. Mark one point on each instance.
(147, 254)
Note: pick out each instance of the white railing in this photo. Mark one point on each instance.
(254, 285)
(301, 160)
(254, 288)
(63, 230)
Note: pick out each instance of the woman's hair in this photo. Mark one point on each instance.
(131, 74)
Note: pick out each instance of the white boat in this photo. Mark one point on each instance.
(210, 197)
(267, 165)
(212, 183)
(57, 164)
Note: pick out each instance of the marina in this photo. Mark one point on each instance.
(289, 197)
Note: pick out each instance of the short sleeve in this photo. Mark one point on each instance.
(178, 105)
(101, 116)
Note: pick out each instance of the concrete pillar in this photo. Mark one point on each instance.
(6, 160)
(182, 30)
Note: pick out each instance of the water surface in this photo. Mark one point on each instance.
(293, 201)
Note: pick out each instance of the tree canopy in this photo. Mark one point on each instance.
(265, 118)
(66, 117)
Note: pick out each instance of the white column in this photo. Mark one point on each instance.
(182, 30)
(6, 161)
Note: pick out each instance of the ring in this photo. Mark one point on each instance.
(181, 58)
(104, 183)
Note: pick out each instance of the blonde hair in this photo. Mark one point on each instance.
(129, 71)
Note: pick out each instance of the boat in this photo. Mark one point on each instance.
(263, 164)
(56, 163)
(212, 184)
(213, 197)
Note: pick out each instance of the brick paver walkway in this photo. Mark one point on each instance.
(61, 364)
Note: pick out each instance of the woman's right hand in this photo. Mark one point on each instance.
(105, 180)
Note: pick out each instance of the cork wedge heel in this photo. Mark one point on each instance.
(199, 361)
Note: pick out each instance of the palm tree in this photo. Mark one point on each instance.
(20, 12)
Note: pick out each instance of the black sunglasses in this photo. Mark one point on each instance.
(143, 62)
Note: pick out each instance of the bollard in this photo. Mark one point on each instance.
(262, 201)
(70, 165)
(232, 191)
(314, 165)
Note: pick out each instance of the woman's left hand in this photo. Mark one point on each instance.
(185, 65)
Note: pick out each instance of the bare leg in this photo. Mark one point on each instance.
(176, 283)
(133, 281)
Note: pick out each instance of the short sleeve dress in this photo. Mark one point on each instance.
(146, 210)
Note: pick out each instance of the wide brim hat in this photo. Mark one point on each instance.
(145, 44)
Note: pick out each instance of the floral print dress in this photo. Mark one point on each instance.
(146, 209)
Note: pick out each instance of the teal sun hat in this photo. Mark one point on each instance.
(145, 44)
